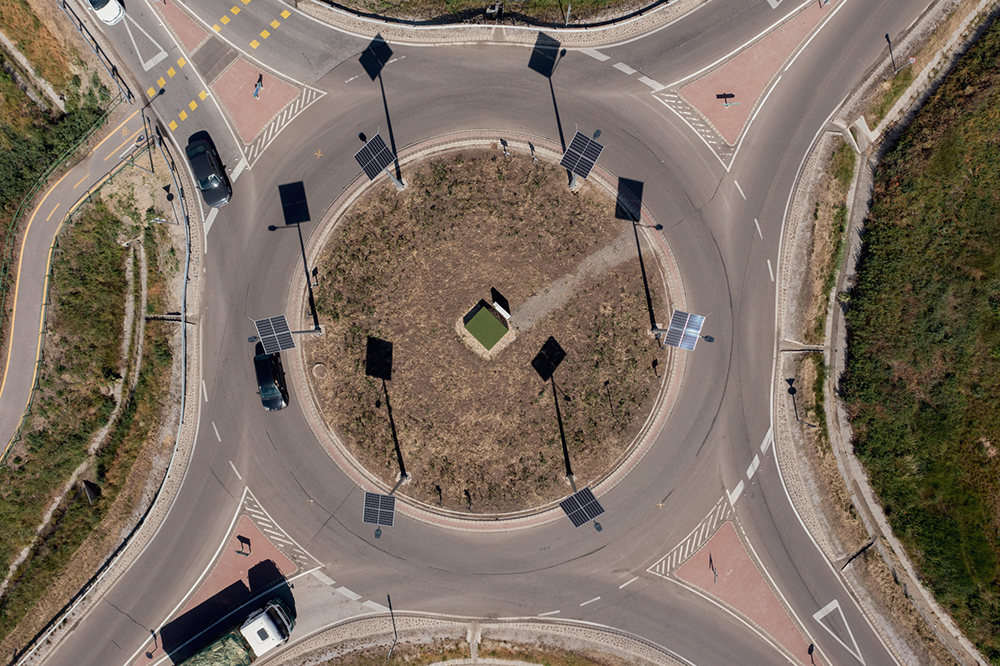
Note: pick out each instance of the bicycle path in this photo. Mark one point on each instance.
(37, 234)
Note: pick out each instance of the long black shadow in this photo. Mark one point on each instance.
(628, 206)
(205, 622)
(544, 58)
(395, 439)
(555, 106)
(373, 60)
(309, 283)
(562, 432)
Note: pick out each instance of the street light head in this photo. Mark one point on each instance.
(161, 91)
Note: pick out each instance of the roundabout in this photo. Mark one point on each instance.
(479, 431)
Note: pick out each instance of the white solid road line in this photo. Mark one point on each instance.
(741, 190)
(234, 469)
(770, 270)
(216, 431)
(595, 54)
(756, 224)
(549, 613)
(210, 220)
(628, 582)
(590, 601)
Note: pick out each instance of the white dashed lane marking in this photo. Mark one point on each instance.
(622, 67)
(597, 55)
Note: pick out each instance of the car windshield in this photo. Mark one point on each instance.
(209, 183)
(269, 392)
(99, 4)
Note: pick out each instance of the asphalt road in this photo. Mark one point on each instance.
(719, 421)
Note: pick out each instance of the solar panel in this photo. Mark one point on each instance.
(684, 330)
(582, 154)
(374, 157)
(581, 507)
(274, 334)
(379, 509)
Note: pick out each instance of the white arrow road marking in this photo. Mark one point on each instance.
(826, 610)
(146, 64)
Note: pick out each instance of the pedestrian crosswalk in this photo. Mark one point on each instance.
(277, 536)
(666, 565)
(256, 148)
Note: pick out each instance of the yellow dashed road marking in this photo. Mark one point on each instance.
(216, 27)
(50, 214)
(183, 115)
(172, 125)
(151, 92)
(122, 145)
(171, 72)
(203, 95)
(181, 63)
(193, 105)
(255, 43)
(224, 20)
(161, 81)
(81, 180)
(235, 10)
(275, 23)
(285, 14)
(264, 34)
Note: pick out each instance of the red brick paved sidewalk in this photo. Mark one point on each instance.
(231, 568)
(741, 586)
(748, 74)
(190, 34)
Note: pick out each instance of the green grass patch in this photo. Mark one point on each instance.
(486, 328)
(897, 85)
(923, 372)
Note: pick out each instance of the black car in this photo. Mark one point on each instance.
(209, 173)
(270, 379)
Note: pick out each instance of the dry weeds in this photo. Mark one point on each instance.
(475, 434)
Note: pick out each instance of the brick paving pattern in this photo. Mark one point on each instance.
(190, 34)
(748, 74)
(742, 587)
(231, 568)
(234, 90)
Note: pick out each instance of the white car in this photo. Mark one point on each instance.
(109, 11)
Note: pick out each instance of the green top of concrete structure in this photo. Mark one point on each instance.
(486, 328)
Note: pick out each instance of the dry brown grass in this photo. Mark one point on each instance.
(47, 50)
(475, 434)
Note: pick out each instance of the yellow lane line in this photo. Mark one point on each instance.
(52, 213)
(114, 131)
(81, 180)
(17, 288)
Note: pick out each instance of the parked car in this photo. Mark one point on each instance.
(109, 11)
(209, 172)
(270, 379)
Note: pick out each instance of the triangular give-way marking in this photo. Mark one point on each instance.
(146, 64)
(826, 610)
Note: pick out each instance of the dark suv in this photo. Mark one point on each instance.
(270, 379)
(209, 172)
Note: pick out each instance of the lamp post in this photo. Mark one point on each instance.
(146, 129)
(891, 57)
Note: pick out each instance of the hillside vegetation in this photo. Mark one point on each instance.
(923, 374)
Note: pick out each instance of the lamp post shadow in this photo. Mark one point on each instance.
(628, 206)
(374, 59)
(544, 57)
(545, 364)
(378, 364)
